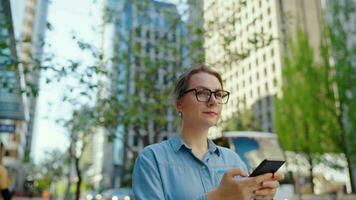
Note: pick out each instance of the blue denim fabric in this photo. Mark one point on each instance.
(169, 170)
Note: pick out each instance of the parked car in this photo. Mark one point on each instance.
(118, 194)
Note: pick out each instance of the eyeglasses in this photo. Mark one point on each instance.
(204, 95)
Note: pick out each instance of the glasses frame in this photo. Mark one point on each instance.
(211, 92)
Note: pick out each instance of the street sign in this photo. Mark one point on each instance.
(7, 128)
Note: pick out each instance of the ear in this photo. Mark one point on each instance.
(178, 105)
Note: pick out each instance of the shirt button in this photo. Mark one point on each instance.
(203, 167)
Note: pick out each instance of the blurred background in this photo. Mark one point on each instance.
(85, 85)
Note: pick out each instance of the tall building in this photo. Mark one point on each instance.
(195, 27)
(31, 50)
(245, 41)
(147, 35)
(21, 34)
(12, 102)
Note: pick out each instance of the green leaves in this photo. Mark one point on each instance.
(306, 119)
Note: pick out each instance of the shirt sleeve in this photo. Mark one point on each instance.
(147, 183)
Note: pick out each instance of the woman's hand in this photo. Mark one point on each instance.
(269, 187)
(243, 189)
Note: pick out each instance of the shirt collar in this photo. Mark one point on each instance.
(177, 143)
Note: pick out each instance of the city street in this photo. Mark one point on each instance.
(174, 99)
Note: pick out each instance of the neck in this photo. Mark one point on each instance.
(196, 138)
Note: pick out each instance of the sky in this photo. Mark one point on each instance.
(66, 17)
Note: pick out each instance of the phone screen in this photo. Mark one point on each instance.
(267, 166)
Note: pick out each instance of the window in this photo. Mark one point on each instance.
(174, 37)
(156, 50)
(264, 57)
(273, 67)
(156, 35)
(274, 82)
(138, 31)
(148, 47)
(257, 76)
(272, 52)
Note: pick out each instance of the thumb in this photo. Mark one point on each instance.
(236, 172)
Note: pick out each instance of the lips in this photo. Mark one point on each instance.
(211, 113)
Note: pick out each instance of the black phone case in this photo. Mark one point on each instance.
(267, 166)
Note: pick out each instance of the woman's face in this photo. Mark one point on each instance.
(196, 113)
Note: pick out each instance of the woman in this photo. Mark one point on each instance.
(189, 165)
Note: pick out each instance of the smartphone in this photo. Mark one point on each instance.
(267, 166)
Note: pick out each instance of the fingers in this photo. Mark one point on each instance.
(270, 184)
(268, 190)
(236, 172)
(255, 183)
(259, 179)
(266, 193)
(278, 176)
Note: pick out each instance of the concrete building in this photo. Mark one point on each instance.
(12, 104)
(146, 34)
(30, 54)
(19, 19)
(245, 41)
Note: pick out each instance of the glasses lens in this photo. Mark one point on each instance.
(221, 96)
(203, 95)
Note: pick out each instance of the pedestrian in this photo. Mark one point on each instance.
(4, 178)
(189, 165)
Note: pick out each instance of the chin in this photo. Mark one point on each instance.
(210, 123)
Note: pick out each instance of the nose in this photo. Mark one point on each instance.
(212, 101)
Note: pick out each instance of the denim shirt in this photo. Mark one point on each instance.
(170, 170)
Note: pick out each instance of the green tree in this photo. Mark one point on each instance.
(305, 117)
(340, 48)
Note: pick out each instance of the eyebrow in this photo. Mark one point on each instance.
(202, 87)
